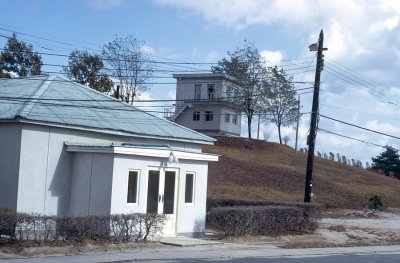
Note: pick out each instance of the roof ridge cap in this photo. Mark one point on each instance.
(28, 105)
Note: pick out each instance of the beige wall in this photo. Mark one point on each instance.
(210, 127)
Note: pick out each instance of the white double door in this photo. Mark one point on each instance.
(162, 196)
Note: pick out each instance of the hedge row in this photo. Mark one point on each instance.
(260, 220)
(311, 210)
(124, 227)
(261, 217)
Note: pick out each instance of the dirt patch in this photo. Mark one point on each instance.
(341, 228)
(337, 228)
(31, 248)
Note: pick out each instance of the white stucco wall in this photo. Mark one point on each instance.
(91, 184)
(49, 180)
(10, 145)
(190, 217)
(230, 128)
(45, 167)
(122, 165)
(217, 125)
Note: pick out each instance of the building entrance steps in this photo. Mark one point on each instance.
(183, 241)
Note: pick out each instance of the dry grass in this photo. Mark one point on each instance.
(255, 169)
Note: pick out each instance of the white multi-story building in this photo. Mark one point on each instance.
(205, 103)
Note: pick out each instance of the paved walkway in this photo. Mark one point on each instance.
(214, 251)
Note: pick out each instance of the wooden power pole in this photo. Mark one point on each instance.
(314, 117)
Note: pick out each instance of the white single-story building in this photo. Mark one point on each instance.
(66, 149)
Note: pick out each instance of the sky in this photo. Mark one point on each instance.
(360, 82)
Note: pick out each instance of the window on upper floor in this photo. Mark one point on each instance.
(209, 115)
(234, 119)
(196, 115)
(197, 92)
(210, 91)
(227, 117)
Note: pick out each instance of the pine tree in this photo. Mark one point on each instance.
(19, 59)
(88, 69)
(388, 161)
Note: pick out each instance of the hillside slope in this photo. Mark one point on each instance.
(254, 169)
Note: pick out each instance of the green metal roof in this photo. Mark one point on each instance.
(54, 100)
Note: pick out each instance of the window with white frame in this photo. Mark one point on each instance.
(209, 115)
(189, 188)
(196, 115)
(133, 181)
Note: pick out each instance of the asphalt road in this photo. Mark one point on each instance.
(381, 258)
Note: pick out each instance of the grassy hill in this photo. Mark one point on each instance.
(254, 169)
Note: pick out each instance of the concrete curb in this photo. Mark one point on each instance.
(209, 253)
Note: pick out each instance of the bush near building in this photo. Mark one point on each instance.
(17, 227)
(256, 217)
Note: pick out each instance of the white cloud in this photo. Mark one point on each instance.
(272, 57)
(382, 127)
(172, 94)
(148, 49)
(346, 22)
(212, 56)
(388, 24)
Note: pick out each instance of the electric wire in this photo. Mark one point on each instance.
(351, 138)
(359, 127)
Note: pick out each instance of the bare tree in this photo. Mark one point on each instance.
(130, 65)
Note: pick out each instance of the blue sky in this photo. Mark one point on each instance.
(360, 81)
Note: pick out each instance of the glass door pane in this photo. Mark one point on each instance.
(169, 192)
(153, 192)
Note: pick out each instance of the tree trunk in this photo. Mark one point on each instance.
(249, 118)
(279, 133)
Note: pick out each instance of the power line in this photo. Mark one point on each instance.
(350, 72)
(353, 110)
(359, 127)
(351, 138)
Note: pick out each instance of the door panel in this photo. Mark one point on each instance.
(169, 193)
(162, 196)
(153, 192)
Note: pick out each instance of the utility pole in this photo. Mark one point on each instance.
(297, 125)
(314, 116)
